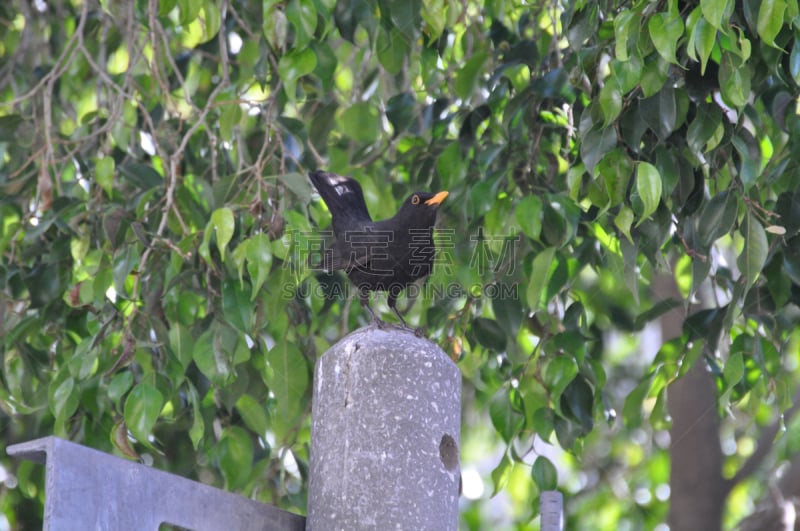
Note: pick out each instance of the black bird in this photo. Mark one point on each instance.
(383, 255)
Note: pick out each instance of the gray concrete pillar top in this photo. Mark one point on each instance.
(385, 438)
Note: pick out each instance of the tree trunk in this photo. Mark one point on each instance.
(697, 489)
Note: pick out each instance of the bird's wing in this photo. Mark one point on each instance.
(344, 198)
(345, 257)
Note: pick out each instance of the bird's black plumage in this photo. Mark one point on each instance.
(385, 255)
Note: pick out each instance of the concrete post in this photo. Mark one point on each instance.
(385, 437)
(551, 507)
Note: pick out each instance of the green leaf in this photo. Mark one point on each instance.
(733, 370)
(212, 354)
(595, 144)
(745, 47)
(401, 110)
(325, 72)
(104, 174)
(140, 175)
(181, 344)
(558, 374)
(508, 312)
(303, 17)
(754, 254)
(259, 262)
(229, 117)
(749, 152)
(567, 432)
(544, 473)
(770, 20)
(695, 16)
(275, 27)
(717, 217)
(577, 402)
(256, 254)
(583, 25)
(659, 416)
(361, 122)
(212, 20)
(253, 414)
(489, 334)
(616, 169)
(287, 380)
(501, 474)
(142, 408)
(404, 14)
(540, 275)
(634, 403)
(734, 79)
(660, 112)
(559, 221)
(627, 74)
(648, 184)
(190, 9)
(466, 78)
(392, 50)
(119, 385)
(625, 24)
(505, 420)
(297, 183)
(717, 12)
(543, 422)
(235, 457)
(665, 30)
(197, 430)
(624, 220)
(237, 307)
(223, 224)
(293, 66)
(63, 401)
(703, 126)
(654, 76)
(165, 6)
(528, 213)
(610, 99)
(434, 13)
(705, 36)
(450, 165)
(124, 263)
(657, 310)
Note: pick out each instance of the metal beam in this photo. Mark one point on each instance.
(89, 489)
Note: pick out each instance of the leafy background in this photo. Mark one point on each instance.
(620, 268)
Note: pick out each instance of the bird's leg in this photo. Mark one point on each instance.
(392, 301)
(363, 297)
(377, 321)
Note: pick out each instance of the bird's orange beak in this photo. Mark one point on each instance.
(437, 199)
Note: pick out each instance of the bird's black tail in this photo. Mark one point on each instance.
(343, 195)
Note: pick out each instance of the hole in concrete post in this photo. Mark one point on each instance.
(448, 452)
(166, 526)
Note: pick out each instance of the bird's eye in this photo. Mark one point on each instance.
(415, 200)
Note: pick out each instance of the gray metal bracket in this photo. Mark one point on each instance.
(90, 490)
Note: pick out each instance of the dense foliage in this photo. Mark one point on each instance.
(155, 222)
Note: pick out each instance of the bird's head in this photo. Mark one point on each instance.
(419, 210)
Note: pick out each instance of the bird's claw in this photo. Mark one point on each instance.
(419, 332)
